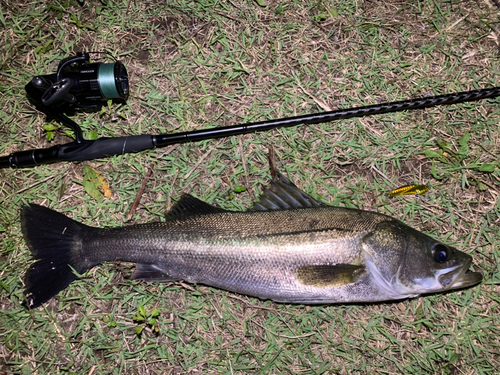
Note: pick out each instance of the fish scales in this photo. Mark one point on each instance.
(290, 248)
(245, 252)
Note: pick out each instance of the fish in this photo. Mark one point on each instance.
(288, 247)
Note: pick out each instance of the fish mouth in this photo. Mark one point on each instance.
(460, 277)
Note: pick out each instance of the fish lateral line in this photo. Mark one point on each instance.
(63, 249)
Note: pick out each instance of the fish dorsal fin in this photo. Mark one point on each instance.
(326, 275)
(282, 194)
(190, 206)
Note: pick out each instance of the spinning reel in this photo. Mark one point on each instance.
(81, 85)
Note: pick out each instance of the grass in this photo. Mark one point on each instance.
(194, 65)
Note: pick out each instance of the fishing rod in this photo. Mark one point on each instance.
(82, 85)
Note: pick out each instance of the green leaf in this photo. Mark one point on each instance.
(463, 141)
(261, 3)
(47, 46)
(69, 133)
(239, 189)
(49, 127)
(50, 136)
(443, 144)
(74, 19)
(428, 324)
(431, 154)
(92, 183)
(142, 311)
(138, 329)
(487, 167)
(320, 17)
(280, 9)
(333, 12)
(93, 135)
(481, 186)
(419, 312)
(139, 318)
(155, 313)
(434, 173)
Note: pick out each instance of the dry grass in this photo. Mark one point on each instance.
(196, 65)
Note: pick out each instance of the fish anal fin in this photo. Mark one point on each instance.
(325, 275)
(150, 272)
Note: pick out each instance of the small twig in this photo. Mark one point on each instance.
(449, 27)
(169, 196)
(33, 185)
(366, 126)
(168, 151)
(382, 174)
(272, 162)
(186, 176)
(228, 16)
(319, 102)
(243, 162)
(139, 194)
(475, 226)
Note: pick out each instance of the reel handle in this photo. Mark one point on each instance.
(58, 92)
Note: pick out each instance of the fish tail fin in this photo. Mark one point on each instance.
(56, 243)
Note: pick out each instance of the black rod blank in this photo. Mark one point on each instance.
(340, 114)
(87, 149)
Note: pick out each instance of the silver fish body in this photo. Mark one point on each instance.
(298, 252)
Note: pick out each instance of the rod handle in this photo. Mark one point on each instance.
(103, 147)
(74, 151)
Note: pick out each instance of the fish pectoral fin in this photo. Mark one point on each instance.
(329, 275)
(150, 272)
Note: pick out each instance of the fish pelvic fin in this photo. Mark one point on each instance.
(325, 275)
(283, 194)
(56, 243)
(150, 272)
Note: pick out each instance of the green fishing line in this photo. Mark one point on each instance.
(107, 82)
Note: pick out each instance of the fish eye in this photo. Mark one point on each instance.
(440, 253)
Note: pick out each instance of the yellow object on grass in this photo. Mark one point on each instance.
(409, 190)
